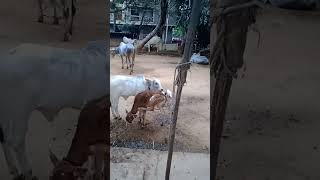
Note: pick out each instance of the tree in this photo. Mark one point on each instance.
(183, 11)
(160, 25)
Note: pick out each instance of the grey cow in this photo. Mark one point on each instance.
(128, 51)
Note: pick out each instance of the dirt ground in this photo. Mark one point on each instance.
(18, 21)
(272, 125)
(192, 133)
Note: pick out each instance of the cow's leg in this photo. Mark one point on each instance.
(98, 160)
(19, 130)
(40, 15)
(127, 61)
(73, 12)
(131, 65)
(140, 116)
(67, 25)
(113, 111)
(122, 61)
(71, 26)
(143, 118)
(116, 103)
(132, 61)
(8, 154)
(20, 150)
(55, 16)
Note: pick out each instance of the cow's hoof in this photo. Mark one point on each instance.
(122, 68)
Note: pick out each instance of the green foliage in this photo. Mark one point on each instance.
(183, 12)
(177, 31)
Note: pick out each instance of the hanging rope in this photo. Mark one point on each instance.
(180, 78)
(218, 54)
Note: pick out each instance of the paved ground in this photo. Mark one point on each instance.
(133, 164)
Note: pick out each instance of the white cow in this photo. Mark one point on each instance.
(126, 86)
(46, 79)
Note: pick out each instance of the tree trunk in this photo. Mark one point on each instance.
(230, 57)
(141, 22)
(160, 25)
(182, 73)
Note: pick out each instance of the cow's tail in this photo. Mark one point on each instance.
(1, 135)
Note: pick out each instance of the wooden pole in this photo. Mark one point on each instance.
(181, 77)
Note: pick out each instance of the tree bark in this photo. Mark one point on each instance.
(182, 73)
(160, 25)
(230, 57)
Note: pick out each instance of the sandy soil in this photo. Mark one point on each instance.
(18, 21)
(192, 133)
(272, 128)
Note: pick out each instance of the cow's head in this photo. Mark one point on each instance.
(130, 116)
(168, 93)
(63, 170)
(114, 51)
(154, 84)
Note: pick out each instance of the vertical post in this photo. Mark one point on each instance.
(172, 131)
(181, 77)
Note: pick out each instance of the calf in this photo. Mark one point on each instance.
(146, 101)
(91, 130)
